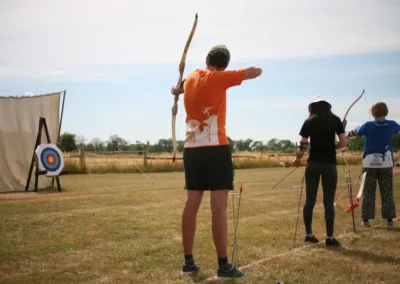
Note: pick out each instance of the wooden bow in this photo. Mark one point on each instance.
(348, 110)
(353, 203)
(344, 122)
(176, 98)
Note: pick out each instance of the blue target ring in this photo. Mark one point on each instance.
(50, 159)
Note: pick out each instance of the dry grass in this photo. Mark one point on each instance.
(134, 163)
(125, 228)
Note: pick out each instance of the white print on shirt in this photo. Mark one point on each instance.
(206, 110)
(378, 160)
(202, 133)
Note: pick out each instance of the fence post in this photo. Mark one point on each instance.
(82, 158)
(145, 158)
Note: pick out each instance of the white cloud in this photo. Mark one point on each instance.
(100, 74)
(40, 36)
(55, 72)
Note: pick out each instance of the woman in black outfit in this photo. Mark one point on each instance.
(321, 127)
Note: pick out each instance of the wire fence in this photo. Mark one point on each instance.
(107, 161)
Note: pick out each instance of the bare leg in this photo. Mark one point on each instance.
(219, 201)
(193, 201)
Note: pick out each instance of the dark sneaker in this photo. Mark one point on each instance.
(190, 269)
(229, 272)
(311, 239)
(332, 243)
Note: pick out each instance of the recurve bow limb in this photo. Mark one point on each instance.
(176, 98)
(348, 110)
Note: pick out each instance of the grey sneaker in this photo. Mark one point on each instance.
(228, 272)
(390, 224)
(365, 224)
(190, 269)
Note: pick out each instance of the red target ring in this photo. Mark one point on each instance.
(50, 159)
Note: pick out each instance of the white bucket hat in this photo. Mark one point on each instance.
(318, 98)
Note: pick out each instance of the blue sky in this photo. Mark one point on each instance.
(118, 61)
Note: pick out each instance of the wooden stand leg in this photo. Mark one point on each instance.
(34, 162)
(37, 143)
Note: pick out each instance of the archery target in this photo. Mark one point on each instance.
(50, 159)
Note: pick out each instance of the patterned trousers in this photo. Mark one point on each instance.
(384, 177)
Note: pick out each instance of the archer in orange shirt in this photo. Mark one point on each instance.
(206, 156)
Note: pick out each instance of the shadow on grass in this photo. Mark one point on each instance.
(197, 278)
(366, 255)
(388, 229)
(47, 190)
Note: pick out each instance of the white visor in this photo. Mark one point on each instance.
(318, 98)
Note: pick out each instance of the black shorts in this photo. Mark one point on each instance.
(208, 168)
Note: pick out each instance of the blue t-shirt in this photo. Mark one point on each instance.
(379, 136)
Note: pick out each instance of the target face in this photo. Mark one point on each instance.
(50, 159)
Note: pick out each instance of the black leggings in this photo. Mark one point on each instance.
(329, 175)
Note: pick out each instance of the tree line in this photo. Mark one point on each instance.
(71, 142)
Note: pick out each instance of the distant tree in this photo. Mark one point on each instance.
(286, 144)
(80, 140)
(117, 143)
(273, 144)
(231, 144)
(89, 147)
(67, 142)
(180, 145)
(257, 146)
(356, 143)
(70, 142)
(98, 144)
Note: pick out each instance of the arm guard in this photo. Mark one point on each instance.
(352, 133)
(300, 149)
(303, 146)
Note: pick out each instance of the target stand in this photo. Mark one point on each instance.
(47, 158)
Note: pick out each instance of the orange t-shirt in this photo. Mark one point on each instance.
(205, 104)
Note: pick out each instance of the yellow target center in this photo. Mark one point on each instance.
(51, 159)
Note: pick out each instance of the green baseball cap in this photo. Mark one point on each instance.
(219, 56)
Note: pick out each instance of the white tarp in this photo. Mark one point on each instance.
(19, 125)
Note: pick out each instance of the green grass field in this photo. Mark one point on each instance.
(125, 228)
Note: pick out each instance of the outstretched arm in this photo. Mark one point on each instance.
(359, 131)
(251, 73)
(352, 133)
(396, 127)
(231, 78)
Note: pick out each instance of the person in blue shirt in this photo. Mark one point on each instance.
(378, 162)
